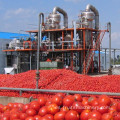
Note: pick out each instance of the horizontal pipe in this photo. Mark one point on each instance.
(62, 91)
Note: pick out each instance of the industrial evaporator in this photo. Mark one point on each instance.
(61, 46)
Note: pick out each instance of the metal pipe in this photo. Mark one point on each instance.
(74, 33)
(38, 47)
(109, 29)
(55, 9)
(62, 91)
(92, 8)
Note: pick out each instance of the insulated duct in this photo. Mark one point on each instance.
(92, 8)
(55, 9)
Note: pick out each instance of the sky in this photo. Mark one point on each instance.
(22, 15)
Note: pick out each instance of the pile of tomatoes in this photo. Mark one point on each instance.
(58, 79)
(63, 107)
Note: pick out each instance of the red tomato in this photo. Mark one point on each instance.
(78, 106)
(5, 118)
(48, 103)
(62, 95)
(94, 114)
(53, 109)
(68, 101)
(10, 105)
(57, 100)
(25, 107)
(107, 116)
(44, 118)
(5, 108)
(112, 109)
(23, 116)
(30, 118)
(118, 107)
(15, 105)
(102, 109)
(37, 117)
(31, 112)
(14, 115)
(20, 105)
(104, 100)
(42, 101)
(78, 97)
(49, 116)
(85, 101)
(59, 116)
(43, 111)
(116, 115)
(64, 109)
(84, 115)
(72, 115)
(91, 100)
(35, 105)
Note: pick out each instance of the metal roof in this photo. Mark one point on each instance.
(8, 35)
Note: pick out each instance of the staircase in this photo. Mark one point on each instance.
(90, 53)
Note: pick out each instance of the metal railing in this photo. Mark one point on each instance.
(20, 90)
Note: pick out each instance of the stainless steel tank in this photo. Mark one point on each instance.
(87, 19)
(53, 21)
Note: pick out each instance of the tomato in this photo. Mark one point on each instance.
(37, 117)
(85, 101)
(107, 116)
(42, 101)
(112, 109)
(53, 109)
(5, 108)
(15, 105)
(1, 107)
(35, 105)
(44, 118)
(118, 107)
(48, 103)
(84, 114)
(94, 114)
(43, 111)
(104, 100)
(62, 95)
(10, 105)
(78, 97)
(64, 109)
(57, 100)
(25, 107)
(68, 101)
(78, 106)
(5, 118)
(91, 100)
(59, 116)
(14, 115)
(31, 112)
(30, 118)
(23, 116)
(116, 115)
(72, 115)
(20, 105)
(102, 109)
(49, 116)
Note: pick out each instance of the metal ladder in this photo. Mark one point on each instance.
(90, 53)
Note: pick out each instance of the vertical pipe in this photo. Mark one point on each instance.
(72, 50)
(30, 60)
(84, 62)
(105, 60)
(62, 39)
(114, 57)
(74, 33)
(17, 63)
(99, 60)
(38, 49)
(109, 29)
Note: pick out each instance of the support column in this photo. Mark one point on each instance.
(17, 62)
